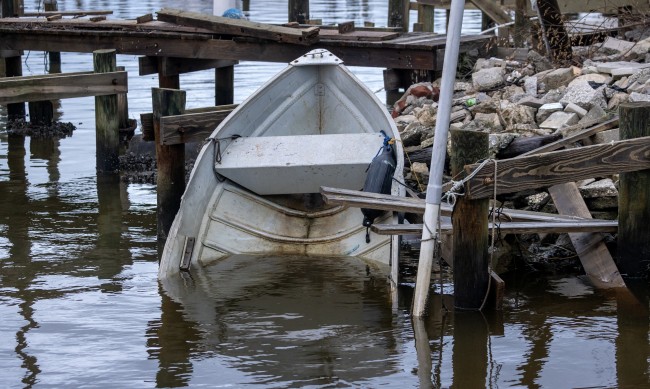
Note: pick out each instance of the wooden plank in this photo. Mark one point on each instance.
(190, 127)
(146, 119)
(594, 256)
(492, 10)
(126, 26)
(576, 136)
(54, 17)
(97, 18)
(370, 36)
(557, 167)
(588, 226)
(144, 19)
(408, 204)
(176, 66)
(61, 86)
(68, 13)
(345, 27)
(240, 27)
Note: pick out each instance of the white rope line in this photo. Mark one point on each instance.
(450, 196)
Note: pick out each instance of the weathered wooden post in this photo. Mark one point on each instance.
(299, 11)
(557, 39)
(224, 88)
(170, 160)
(470, 225)
(634, 198)
(122, 107)
(13, 61)
(398, 14)
(54, 57)
(106, 118)
(425, 18)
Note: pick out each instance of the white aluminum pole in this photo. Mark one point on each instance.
(434, 188)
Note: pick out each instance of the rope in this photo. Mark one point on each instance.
(450, 196)
(216, 144)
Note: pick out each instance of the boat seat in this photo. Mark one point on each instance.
(299, 163)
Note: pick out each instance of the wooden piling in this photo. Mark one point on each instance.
(224, 88)
(170, 160)
(298, 11)
(106, 117)
(634, 198)
(13, 65)
(398, 14)
(470, 226)
(122, 107)
(556, 35)
(54, 57)
(41, 113)
(425, 17)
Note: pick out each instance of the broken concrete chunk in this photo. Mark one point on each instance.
(530, 86)
(558, 77)
(559, 120)
(600, 188)
(575, 109)
(532, 102)
(487, 79)
(636, 97)
(584, 95)
(607, 136)
(546, 110)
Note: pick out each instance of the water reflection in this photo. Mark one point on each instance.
(287, 321)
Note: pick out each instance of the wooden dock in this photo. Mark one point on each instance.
(413, 51)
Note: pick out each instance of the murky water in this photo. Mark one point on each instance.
(80, 305)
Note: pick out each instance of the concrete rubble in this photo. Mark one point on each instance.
(517, 100)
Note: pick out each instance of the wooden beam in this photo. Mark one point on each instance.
(68, 13)
(176, 66)
(609, 226)
(492, 10)
(361, 199)
(594, 256)
(205, 117)
(190, 127)
(361, 53)
(557, 167)
(107, 127)
(239, 27)
(61, 86)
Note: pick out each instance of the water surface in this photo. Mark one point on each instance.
(80, 305)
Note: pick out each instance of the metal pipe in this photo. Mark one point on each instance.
(434, 188)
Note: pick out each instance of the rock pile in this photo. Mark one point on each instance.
(531, 101)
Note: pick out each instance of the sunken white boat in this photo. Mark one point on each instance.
(254, 188)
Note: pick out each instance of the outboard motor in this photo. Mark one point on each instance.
(379, 180)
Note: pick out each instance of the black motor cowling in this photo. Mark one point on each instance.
(379, 179)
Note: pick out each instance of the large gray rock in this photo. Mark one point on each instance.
(595, 113)
(488, 79)
(488, 121)
(583, 95)
(636, 97)
(516, 114)
(558, 78)
(600, 188)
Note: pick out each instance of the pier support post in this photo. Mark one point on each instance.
(224, 88)
(425, 18)
(470, 226)
(299, 11)
(13, 65)
(170, 160)
(106, 118)
(54, 57)
(398, 14)
(634, 198)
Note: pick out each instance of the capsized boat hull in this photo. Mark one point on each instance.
(224, 211)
